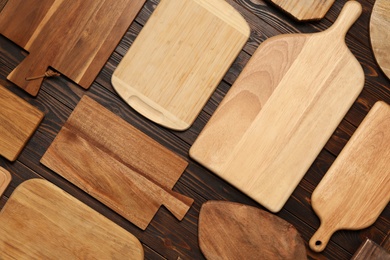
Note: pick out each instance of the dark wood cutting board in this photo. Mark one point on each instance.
(117, 164)
(5, 179)
(370, 250)
(73, 37)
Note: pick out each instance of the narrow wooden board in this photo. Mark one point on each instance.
(179, 58)
(5, 179)
(73, 37)
(372, 251)
(230, 230)
(281, 111)
(41, 221)
(117, 164)
(356, 188)
(380, 34)
(18, 121)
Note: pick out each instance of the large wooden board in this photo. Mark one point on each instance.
(179, 58)
(5, 179)
(281, 111)
(356, 188)
(18, 121)
(117, 164)
(41, 221)
(73, 37)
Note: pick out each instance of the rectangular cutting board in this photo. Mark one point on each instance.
(5, 179)
(117, 164)
(179, 58)
(73, 37)
(281, 111)
(41, 221)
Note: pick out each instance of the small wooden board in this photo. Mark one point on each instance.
(357, 182)
(41, 221)
(372, 251)
(234, 231)
(281, 111)
(179, 58)
(19, 120)
(117, 164)
(73, 37)
(5, 179)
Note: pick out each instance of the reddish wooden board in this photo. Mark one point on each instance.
(5, 179)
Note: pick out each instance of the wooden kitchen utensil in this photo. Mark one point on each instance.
(281, 111)
(356, 188)
(117, 164)
(19, 120)
(380, 34)
(73, 37)
(41, 221)
(230, 230)
(5, 179)
(179, 58)
(372, 251)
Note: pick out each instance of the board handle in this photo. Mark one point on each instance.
(348, 16)
(176, 203)
(320, 239)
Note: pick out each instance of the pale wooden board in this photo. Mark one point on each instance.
(179, 58)
(18, 121)
(117, 164)
(380, 34)
(372, 251)
(5, 179)
(73, 37)
(281, 111)
(230, 230)
(41, 221)
(356, 188)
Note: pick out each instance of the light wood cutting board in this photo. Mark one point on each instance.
(5, 179)
(380, 34)
(117, 164)
(356, 188)
(73, 37)
(230, 230)
(18, 122)
(281, 111)
(41, 221)
(179, 58)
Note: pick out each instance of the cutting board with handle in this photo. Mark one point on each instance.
(230, 230)
(356, 189)
(5, 179)
(18, 122)
(179, 58)
(41, 221)
(117, 164)
(281, 111)
(75, 38)
(380, 34)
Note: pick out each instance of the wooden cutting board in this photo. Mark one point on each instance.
(179, 58)
(18, 121)
(281, 111)
(234, 231)
(41, 221)
(5, 179)
(380, 34)
(73, 37)
(356, 188)
(372, 251)
(117, 164)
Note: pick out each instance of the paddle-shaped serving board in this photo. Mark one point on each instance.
(117, 164)
(18, 121)
(230, 230)
(356, 188)
(179, 58)
(73, 37)
(380, 34)
(41, 221)
(281, 111)
(5, 179)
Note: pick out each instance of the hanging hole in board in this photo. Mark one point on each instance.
(318, 243)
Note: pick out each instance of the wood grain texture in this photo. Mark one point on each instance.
(230, 230)
(179, 58)
(75, 38)
(2, 4)
(371, 250)
(5, 179)
(356, 189)
(281, 111)
(41, 221)
(18, 121)
(380, 34)
(120, 166)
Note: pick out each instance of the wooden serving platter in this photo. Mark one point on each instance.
(357, 182)
(73, 37)
(5, 179)
(281, 111)
(117, 164)
(179, 58)
(41, 221)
